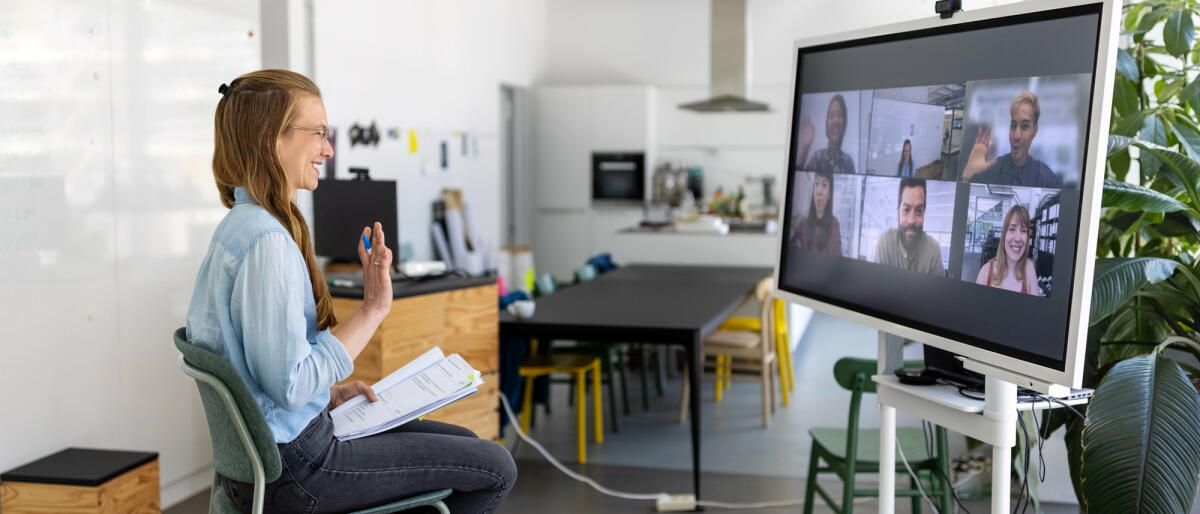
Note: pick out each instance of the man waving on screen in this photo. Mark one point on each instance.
(1016, 168)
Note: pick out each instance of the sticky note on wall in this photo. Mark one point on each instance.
(412, 141)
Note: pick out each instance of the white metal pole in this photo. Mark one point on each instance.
(887, 460)
(1000, 406)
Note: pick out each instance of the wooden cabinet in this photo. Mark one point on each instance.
(463, 321)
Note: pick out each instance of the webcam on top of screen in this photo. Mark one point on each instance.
(947, 8)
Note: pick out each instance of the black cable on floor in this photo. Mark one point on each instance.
(949, 483)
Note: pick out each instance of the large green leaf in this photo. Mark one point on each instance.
(1135, 198)
(1178, 32)
(1183, 171)
(1191, 92)
(1116, 280)
(1131, 124)
(1118, 143)
(1127, 66)
(1071, 438)
(1188, 136)
(1132, 13)
(1179, 224)
(1151, 19)
(1153, 131)
(1140, 450)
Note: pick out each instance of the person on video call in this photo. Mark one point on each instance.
(908, 246)
(905, 168)
(830, 159)
(1016, 168)
(1011, 268)
(820, 230)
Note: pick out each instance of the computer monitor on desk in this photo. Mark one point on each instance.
(944, 179)
(341, 208)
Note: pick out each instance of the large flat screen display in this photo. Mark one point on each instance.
(942, 176)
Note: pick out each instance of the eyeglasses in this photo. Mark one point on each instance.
(322, 132)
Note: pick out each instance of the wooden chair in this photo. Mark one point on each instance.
(577, 365)
(243, 447)
(787, 377)
(852, 450)
(752, 354)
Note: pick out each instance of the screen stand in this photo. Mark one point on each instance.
(996, 425)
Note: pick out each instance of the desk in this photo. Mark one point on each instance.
(642, 303)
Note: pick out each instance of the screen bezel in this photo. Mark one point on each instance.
(1090, 187)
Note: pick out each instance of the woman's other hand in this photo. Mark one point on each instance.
(377, 278)
(340, 393)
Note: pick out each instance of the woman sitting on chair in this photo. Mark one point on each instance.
(261, 302)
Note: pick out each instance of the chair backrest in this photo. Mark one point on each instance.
(585, 273)
(855, 374)
(767, 315)
(545, 284)
(239, 432)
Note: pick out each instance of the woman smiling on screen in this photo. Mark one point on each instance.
(1011, 268)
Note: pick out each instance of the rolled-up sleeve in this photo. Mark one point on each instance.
(268, 302)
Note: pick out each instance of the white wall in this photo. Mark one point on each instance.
(666, 43)
(106, 127)
(435, 67)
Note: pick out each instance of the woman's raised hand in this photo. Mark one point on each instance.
(377, 265)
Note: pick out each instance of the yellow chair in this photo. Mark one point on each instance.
(577, 365)
(787, 377)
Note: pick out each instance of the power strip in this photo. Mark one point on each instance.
(676, 503)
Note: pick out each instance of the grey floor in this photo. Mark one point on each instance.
(742, 461)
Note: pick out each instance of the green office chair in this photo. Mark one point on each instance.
(851, 450)
(243, 448)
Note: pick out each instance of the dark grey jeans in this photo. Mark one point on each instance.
(322, 474)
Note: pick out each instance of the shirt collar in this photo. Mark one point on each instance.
(240, 195)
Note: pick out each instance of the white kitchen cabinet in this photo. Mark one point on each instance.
(621, 118)
(571, 122)
(562, 147)
(562, 241)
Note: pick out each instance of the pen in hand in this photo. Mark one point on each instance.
(366, 242)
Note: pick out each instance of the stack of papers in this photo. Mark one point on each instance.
(424, 385)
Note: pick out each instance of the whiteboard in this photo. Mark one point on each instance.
(895, 121)
(107, 203)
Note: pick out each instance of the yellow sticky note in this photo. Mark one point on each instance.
(412, 141)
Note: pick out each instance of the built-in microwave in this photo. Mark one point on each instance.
(618, 177)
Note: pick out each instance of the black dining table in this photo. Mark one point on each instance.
(645, 303)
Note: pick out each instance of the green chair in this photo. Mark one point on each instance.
(851, 450)
(243, 447)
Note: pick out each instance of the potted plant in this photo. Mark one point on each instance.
(1138, 449)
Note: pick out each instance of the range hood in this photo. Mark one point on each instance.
(729, 61)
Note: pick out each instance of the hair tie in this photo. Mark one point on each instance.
(224, 90)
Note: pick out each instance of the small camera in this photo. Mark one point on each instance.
(947, 8)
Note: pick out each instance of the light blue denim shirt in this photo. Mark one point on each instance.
(253, 304)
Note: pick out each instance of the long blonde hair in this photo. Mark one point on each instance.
(252, 115)
(1000, 262)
